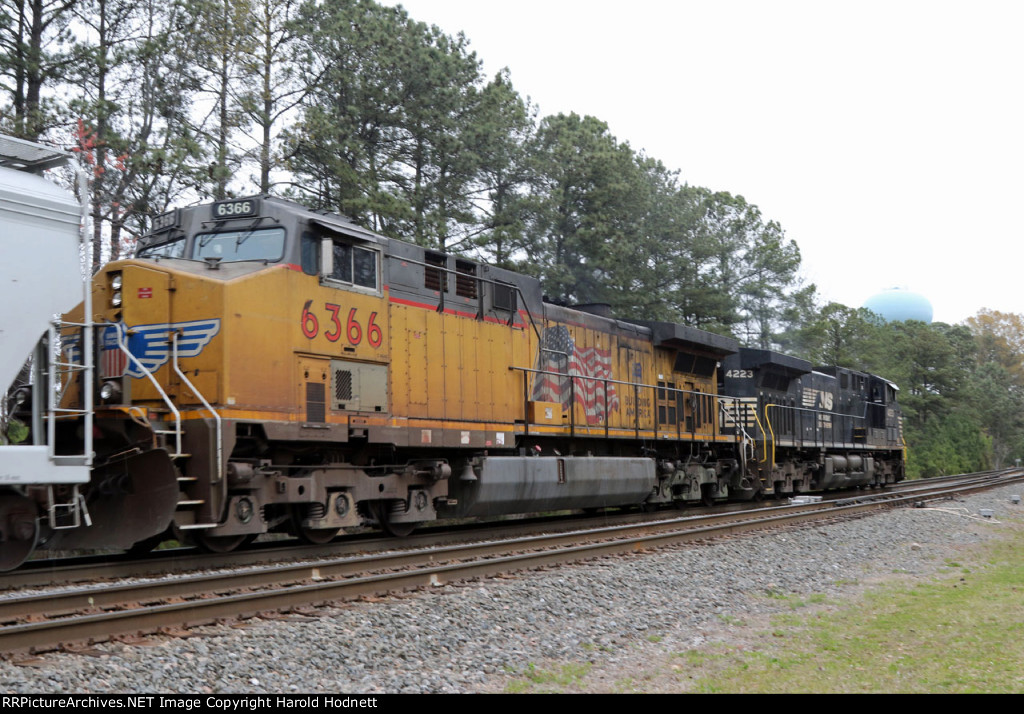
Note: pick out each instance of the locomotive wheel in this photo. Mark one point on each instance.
(314, 536)
(381, 510)
(222, 544)
(19, 529)
(318, 536)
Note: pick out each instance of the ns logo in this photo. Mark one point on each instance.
(818, 399)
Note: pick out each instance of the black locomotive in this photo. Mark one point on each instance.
(814, 428)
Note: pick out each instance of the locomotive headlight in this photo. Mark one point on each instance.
(110, 391)
(115, 299)
(115, 282)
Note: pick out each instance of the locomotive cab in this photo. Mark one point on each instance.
(772, 408)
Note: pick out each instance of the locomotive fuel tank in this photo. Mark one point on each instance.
(507, 485)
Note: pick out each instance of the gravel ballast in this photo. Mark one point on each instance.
(616, 614)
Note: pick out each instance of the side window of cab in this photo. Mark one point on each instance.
(348, 264)
(310, 253)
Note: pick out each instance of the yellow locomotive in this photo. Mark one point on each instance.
(273, 368)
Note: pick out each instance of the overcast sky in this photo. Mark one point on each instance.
(885, 137)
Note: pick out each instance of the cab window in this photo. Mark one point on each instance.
(353, 265)
(310, 254)
(234, 246)
(171, 249)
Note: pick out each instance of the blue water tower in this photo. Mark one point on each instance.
(899, 305)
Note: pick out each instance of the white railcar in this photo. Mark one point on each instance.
(41, 234)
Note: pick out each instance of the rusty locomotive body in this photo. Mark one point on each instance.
(263, 367)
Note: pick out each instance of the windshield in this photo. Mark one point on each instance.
(170, 249)
(262, 244)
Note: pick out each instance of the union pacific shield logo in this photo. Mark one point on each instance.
(151, 345)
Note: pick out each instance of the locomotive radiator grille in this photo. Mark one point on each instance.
(316, 403)
(343, 385)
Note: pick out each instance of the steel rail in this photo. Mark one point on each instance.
(193, 587)
(44, 573)
(475, 561)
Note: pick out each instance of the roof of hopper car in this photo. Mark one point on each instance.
(29, 156)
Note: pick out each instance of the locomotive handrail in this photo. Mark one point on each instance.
(771, 430)
(606, 381)
(733, 417)
(747, 409)
(812, 411)
(609, 381)
(216, 416)
(764, 433)
(479, 298)
(163, 395)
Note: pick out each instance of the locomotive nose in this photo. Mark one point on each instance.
(130, 286)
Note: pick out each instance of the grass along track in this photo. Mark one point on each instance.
(953, 626)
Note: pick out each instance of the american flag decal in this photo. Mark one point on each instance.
(112, 360)
(587, 367)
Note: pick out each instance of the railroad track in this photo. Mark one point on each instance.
(52, 620)
(48, 572)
